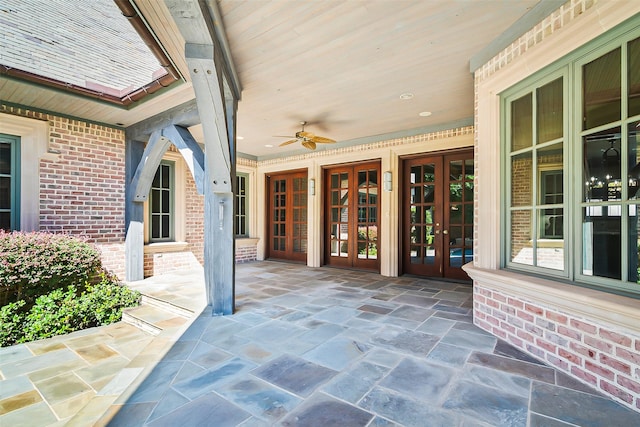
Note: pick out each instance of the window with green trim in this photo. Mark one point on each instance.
(571, 137)
(241, 224)
(9, 182)
(161, 204)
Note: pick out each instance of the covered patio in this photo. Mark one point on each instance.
(306, 347)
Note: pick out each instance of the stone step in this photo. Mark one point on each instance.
(152, 319)
(167, 306)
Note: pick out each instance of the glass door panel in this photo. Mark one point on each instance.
(438, 215)
(287, 220)
(351, 224)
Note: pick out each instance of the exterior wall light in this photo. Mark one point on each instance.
(386, 181)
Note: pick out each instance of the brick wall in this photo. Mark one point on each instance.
(194, 227)
(246, 253)
(599, 355)
(82, 191)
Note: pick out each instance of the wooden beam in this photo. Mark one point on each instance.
(210, 74)
(184, 115)
(134, 216)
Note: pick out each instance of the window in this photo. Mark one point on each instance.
(161, 202)
(571, 136)
(9, 182)
(241, 225)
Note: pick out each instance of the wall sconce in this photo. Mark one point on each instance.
(312, 187)
(386, 181)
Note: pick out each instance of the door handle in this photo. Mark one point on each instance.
(437, 231)
(445, 232)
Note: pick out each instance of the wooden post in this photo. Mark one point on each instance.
(134, 215)
(217, 90)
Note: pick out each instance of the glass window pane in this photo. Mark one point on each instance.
(634, 160)
(373, 178)
(362, 179)
(549, 111)
(5, 158)
(634, 244)
(155, 201)
(521, 179)
(633, 72)
(455, 214)
(601, 173)
(429, 172)
(5, 192)
(165, 202)
(155, 227)
(334, 180)
(415, 176)
(165, 227)
(521, 123)
(455, 170)
(521, 244)
(601, 243)
(165, 176)
(455, 192)
(5, 221)
(429, 193)
(468, 213)
(601, 90)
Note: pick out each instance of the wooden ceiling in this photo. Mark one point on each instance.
(339, 65)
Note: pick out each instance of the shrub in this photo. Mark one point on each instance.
(62, 311)
(34, 264)
(12, 321)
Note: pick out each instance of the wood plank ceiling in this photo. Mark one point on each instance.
(340, 65)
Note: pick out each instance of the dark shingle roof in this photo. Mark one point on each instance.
(88, 43)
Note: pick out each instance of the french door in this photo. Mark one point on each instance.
(287, 216)
(351, 216)
(437, 206)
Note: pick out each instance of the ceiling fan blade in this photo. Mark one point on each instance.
(309, 144)
(322, 140)
(291, 141)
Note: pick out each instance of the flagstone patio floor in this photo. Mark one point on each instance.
(306, 347)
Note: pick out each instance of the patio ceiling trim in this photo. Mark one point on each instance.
(537, 13)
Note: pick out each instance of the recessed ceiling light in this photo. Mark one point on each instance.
(239, 137)
(268, 145)
(425, 114)
(407, 95)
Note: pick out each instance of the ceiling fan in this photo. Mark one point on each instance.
(307, 139)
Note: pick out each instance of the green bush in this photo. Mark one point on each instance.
(36, 263)
(63, 311)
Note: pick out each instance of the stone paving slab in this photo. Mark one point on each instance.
(307, 347)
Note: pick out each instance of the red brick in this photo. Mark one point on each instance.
(499, 332)
(583, 326)
(599, 344)
(615, 391)
(493, 303)
(615, 364)
(524, 315)
(515, 341)
(525, 336)
(615, 337)
(599, 370)
(634, 386)
(557, 317)
(557, 362)
(573, 358)
(534, 309)
(571, 333)
(628, 355)
(515, 303)
(586, 376)
(551, 348)
(499, 297)
(585, 351)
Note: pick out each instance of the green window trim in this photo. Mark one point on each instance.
(10, 182)
(162, 204)
(601, 105)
